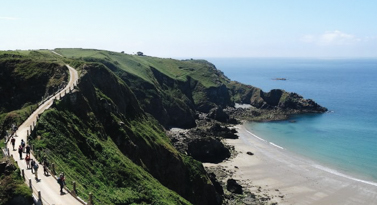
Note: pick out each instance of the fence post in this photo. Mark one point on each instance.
(30, 184)
(39, 195)
(53, 168)
(23, 173)
(90, 199)
(27, 133)
(74, 188)
(31, 128)
(8, 152)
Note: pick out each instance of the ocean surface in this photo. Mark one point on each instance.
(344, 140)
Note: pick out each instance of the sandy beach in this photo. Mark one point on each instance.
(288, 178)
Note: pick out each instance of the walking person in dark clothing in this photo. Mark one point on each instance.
(20, 151)
(45, 168)
(23, 144)
(27, 150)
(32, 163)
(61, 181)
(13, 141)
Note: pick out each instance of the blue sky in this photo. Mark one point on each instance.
(171, 28)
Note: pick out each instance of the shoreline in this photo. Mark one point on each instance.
(287, 178)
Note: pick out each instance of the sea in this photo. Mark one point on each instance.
(343, 140)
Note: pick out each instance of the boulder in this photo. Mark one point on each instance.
(208, 149)
(233, 186)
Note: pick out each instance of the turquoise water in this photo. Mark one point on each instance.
(344, 139)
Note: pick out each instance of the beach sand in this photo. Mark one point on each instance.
(288, 178)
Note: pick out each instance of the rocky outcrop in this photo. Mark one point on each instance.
(275, 99)
(233, 186)
(13, 190)
(208, 150)
(7, 168)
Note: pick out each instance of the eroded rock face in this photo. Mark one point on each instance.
(6, 168)
(233, 186)
(208, 150)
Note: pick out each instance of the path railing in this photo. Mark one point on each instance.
(37, 195)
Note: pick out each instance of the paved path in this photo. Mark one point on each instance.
(50, 189)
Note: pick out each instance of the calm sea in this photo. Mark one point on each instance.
(344, 139)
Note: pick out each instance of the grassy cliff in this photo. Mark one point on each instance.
(25, 78)
(100, 137)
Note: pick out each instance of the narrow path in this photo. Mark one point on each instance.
(50, 189)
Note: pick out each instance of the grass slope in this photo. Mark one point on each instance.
(96, 163)
(199, 70)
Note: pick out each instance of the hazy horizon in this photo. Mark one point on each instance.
(182, 29)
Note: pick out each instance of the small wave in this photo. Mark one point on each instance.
(343, 175)
(256, 136)
(276, 145)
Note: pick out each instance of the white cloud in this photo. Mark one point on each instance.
(337, 38)
(8, 18)
(331, 38)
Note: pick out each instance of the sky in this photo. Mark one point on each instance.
(197, 29)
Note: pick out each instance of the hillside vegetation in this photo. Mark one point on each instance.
(108, 135)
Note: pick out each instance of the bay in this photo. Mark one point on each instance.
(344, 139)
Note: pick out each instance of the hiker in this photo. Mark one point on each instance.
(61, 181)
(32, 163)
(27, 159)
(13, 141)
(20, 151)
(45, 168)
(23, 145)
(27, 149)
(36, 166)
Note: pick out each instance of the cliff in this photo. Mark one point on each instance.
(172, 91)
(108, 135)
(100, 129)
(25, 78)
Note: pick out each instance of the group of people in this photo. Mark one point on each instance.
(21, 148)
(33, 165)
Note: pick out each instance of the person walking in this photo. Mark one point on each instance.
(45, 169)
(27, 150)
(32, 163)
(20, 151)
(36, 166)
(13, 141)
(27, 159)
(23, 145)
(61, 181)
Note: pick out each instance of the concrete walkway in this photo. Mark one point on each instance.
(47, 185)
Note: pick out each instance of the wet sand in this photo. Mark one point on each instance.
(288, 178)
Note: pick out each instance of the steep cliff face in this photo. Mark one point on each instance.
(104, 111)
(24, 80)
(170, 90)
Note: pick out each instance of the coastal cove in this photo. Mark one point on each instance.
(342, 139)
(287, 178)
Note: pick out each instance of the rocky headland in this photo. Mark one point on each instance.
(141, 123)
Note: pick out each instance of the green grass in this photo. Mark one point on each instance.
(96, 163)
(2, 145)
(140, 66)
(13, 186)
